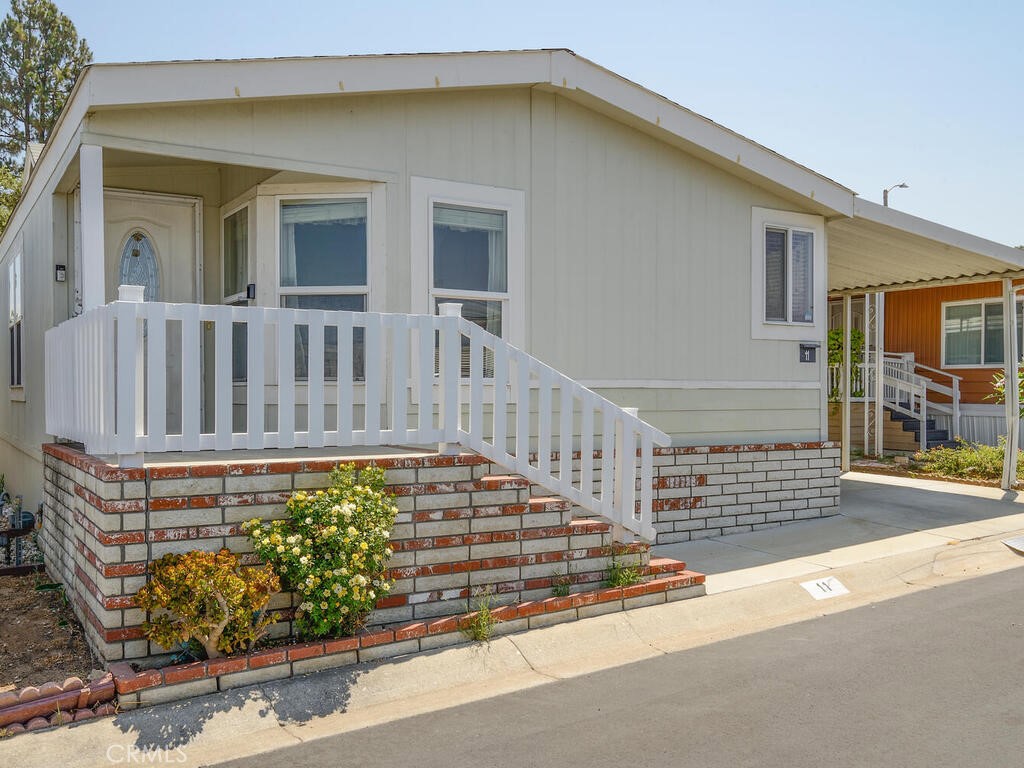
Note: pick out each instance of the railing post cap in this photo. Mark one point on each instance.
(632, 411)
(451, 309)
(133, 293)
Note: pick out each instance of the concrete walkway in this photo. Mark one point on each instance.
(880, 516)
(894, 537)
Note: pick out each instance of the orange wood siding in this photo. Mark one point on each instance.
(913, 323)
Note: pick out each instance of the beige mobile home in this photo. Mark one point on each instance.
(501, 253)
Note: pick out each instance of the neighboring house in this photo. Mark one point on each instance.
(609, 250)
(951, 337)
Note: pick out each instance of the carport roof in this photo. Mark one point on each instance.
(880, 248)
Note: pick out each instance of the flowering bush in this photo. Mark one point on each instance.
(207, 597)
(332, 550)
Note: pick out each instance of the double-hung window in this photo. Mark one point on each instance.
(972, 333)
(468, 246)
(15, 318)
(470, 266)
(323, 264)
(787, 270)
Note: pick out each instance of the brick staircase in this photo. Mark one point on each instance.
(503, 540)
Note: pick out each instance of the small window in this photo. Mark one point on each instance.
(972, 333)
(788, 275)
(324, 265)
(15, 318)
(787, 271)
(236, 254)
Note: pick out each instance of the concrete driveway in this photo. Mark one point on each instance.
(879, 516)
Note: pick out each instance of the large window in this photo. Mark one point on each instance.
(15, 318)
(324, 265)
(972, 333)
(787, 270)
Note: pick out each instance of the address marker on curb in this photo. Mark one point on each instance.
(823, 589)
(1016, 544)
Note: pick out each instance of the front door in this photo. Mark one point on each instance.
(150, 240)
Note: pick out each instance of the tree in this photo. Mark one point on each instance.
(41, 56)
(10, 191)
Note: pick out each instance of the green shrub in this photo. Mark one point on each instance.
(479, 626)
(618, 574)
(835, 357)
(209, 598)
(999, 388)
(332, 550)
(965, 459)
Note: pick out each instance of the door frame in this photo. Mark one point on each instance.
(197, 223)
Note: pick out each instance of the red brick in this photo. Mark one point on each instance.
(182, 673)
(267, 658)
(202, 502)
(376, 638)
(553, 604)
(531, 608)
(149, 678)
(217, 667)
(284, 467)
(392, 601)
(441, 626)
(209, 470)
(341, 644)
(410, 632)
(177, 502)
(170, 472)
(172, 534)
(125, 569)
(305, 651)
(247, 468)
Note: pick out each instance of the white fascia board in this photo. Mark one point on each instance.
(573, 72)
(880, 214)
(179, 82)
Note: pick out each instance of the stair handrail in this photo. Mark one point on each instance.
(620, 429)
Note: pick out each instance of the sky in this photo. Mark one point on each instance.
(869, 93)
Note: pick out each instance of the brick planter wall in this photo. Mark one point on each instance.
(460, 528)
(716, 490)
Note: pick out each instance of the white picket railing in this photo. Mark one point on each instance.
(905, 390)
(137, 377)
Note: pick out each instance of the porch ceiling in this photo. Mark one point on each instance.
(881, 248)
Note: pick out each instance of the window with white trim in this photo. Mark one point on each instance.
(236, 237)
(787, 275)
(972, 333)
(323, 263)
(468, 246)
(15, 320)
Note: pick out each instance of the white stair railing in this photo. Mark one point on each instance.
(136, 377)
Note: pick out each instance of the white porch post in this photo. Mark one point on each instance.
(844, 464)
(90, 177)
(879, 373)
(1010, 358)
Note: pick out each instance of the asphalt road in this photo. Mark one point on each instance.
(932, 679)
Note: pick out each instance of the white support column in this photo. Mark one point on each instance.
(1010, 357)
(450, 377)
(863, 365)
(844, 465)
(90, 177)
(879, 373)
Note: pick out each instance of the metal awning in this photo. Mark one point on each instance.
(881, 248)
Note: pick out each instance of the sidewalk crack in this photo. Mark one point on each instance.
(529, 663)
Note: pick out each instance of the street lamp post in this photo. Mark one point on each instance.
(885, 192)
